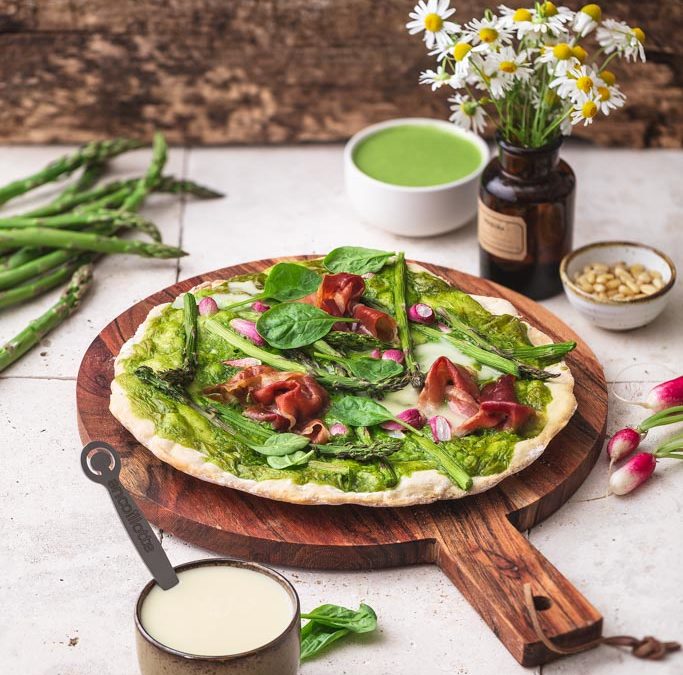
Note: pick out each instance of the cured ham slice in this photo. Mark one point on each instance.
(450, 382)
(495, 406)
(274, 396)
(317, 432)
(377, 323)
(499, 408)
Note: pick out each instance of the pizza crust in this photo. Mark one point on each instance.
(421, 487)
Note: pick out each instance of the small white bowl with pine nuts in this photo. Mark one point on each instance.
(618, 285)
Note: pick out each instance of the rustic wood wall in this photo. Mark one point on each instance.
(267, 71)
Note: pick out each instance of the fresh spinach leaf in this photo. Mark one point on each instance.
(289, 281)
(373, 370)
(329, 623)
(293, 325)
(358, 411)
(356, 260)
(315, 637)
(362, 620)
(279, 445)
(298, 458)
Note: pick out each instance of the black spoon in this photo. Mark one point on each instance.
(102, 464)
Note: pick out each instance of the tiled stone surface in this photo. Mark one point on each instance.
(68, 571)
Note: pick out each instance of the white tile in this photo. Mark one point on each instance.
(119, 281)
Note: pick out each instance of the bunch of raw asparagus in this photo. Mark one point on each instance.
(58, 243)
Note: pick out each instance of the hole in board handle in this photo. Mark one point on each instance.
(541, 603)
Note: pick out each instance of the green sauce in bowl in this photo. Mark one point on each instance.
(417, 155)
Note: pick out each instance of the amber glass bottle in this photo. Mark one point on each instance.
(526, 218)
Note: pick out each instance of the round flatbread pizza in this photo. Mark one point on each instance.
(356, 378)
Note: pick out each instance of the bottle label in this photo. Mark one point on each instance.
(500, 234)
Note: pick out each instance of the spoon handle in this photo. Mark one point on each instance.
(102, 464)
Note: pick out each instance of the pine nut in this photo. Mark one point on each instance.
(619, 282)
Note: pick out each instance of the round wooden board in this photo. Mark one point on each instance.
(475, 540)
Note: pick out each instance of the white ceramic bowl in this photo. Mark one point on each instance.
(612, 314)
(413, 211)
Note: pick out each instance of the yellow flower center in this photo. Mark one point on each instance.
(580, 53)
(433, 23)
(584, 84)
(461, 50)
(593, 11)
(562, 51)
(508, 66)
(488, 35)
(604, 93)
(639, 33)
(549, 9)
(608, 77)
(589, 109)
(522, 15)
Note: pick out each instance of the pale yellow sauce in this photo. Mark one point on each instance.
(218, 610)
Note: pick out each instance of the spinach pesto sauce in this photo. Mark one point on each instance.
(484, 453)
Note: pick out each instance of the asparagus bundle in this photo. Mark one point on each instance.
(46, 246)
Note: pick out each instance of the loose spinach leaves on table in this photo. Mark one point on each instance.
(356, 260)
(329, 623)
(293, 325)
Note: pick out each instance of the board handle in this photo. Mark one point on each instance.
(490, 561)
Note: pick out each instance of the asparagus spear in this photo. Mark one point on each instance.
(85, 241)
(186, 187)
(146, 184)
(40, 327)
(412, 366)
(186, 372)
(97, 151)
(43, 283)
(22, 256)
(32, 268)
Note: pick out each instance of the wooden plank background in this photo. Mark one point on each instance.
(268, 71)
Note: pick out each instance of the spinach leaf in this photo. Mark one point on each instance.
(292, 325)
(279, 445)
(298, 458)
(358, 411)
(362, 620)
(356, 260)
(289, 281)
(373, 370)
(315, 637)
(329, 623)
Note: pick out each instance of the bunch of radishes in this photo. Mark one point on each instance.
(666, 400)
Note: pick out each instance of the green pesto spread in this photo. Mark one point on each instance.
(483, 453)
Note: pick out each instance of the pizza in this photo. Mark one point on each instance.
(354, 378)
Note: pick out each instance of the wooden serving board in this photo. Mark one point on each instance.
(477, 541)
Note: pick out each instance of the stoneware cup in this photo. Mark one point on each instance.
(414, 211)
(612, 314)
(278, 657)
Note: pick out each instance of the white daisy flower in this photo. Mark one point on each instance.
(617, 36)
(559, 58)
(609, 97)
(577, 84)
(550, 19)
(430, 17)
(464, 58)
(504, 67)
(584, 111)
(488, 34)
(566, 127)
(438, 78)
(519, 20)
(467, 113)
(586, 20)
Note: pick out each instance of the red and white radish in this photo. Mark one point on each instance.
(248, 329)
(394, 355)
(338, 429)
(260, 307)
(421, 313)
(633, 473)
(411, 416)
(623, 443)
(441, 428)
(664, 395)
(207, 306)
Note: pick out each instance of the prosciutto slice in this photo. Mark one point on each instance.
(451, 382)
(286, 400)
(495, 406)
(339, 295)
(499, 408)
(378, 324)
